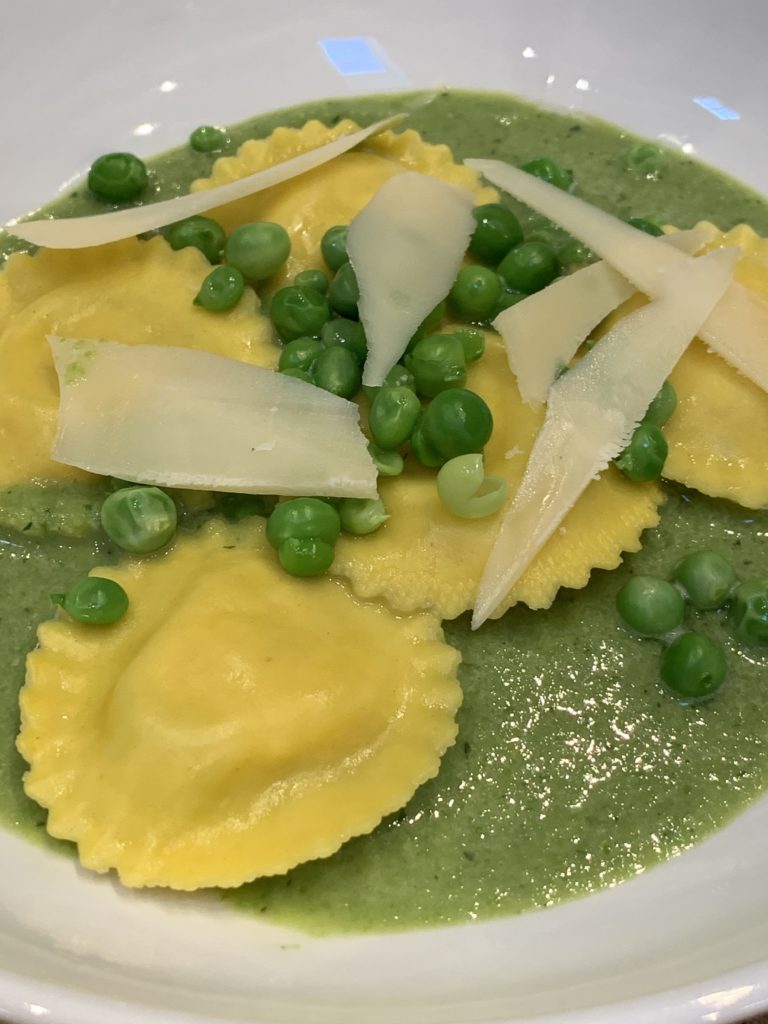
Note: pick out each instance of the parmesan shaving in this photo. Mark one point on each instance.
(691, 240)
(592, 412)
(406, 247)
(543, 332)
(178, 417)
(737, 328)
(83, 232)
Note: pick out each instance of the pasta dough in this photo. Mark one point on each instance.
(332, 194)
(716, 434)
(235, 722)
(132, 291)
(425, 557)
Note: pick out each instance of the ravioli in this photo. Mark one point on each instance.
(236, 722)
(132, 292)
(445, 555)
(716, 435)
(425, 557)
(332, 194)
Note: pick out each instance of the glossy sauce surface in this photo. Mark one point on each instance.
(573, 768)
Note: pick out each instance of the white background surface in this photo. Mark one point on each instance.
(686, 942)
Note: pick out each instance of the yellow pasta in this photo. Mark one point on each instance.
(306, 206)
(133, 292)
(716, 436)
(235, 722)
(425, 557)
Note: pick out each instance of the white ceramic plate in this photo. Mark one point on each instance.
(685, 942)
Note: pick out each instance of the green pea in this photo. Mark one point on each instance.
(398, 377)
(457, 422)
(202, 233)
(305, 557)
(549, 170)
(221, 289)
(707, 578)
(347, 333)
(95, 600)
(344, 293)
(466, 491)
(429, 324)
(139, 519)
(236, 507)
(117, 177)
(437, 362)
(393, 415)
(361, 516)
(750, 612)
(298, 312)
(645, 160)
(207, 138)
(529, 267)
(509, 297)
(693, 667)
(299, 354)
(257, 249)
(663, 405)
(476, 292)
(497, 230)
(303, 519)
(650, 605)
(573, 253)
(645, 455)
(312, 279)
(388, 463)
(472, 341)
(333, 246)
(422, 449)
(337, 370)
(648, 226)
(299, 374)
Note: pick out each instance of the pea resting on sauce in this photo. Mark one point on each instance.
(572, 769)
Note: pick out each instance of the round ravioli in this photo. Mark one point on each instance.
(335, 192)
(235, 722)
(716, 435)
(425, 557)
(133, 292)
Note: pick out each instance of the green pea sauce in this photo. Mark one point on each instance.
(573, 768)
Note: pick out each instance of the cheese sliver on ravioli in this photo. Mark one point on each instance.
(592, 412)
(132, 292)
(236, 722)
(737, 327)
(717, 433)
(332, 194)
(179, 418)
(544, 331)
(406, 247)
(102, 228)
(445, 554)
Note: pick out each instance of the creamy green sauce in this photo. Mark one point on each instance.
(573, 769)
